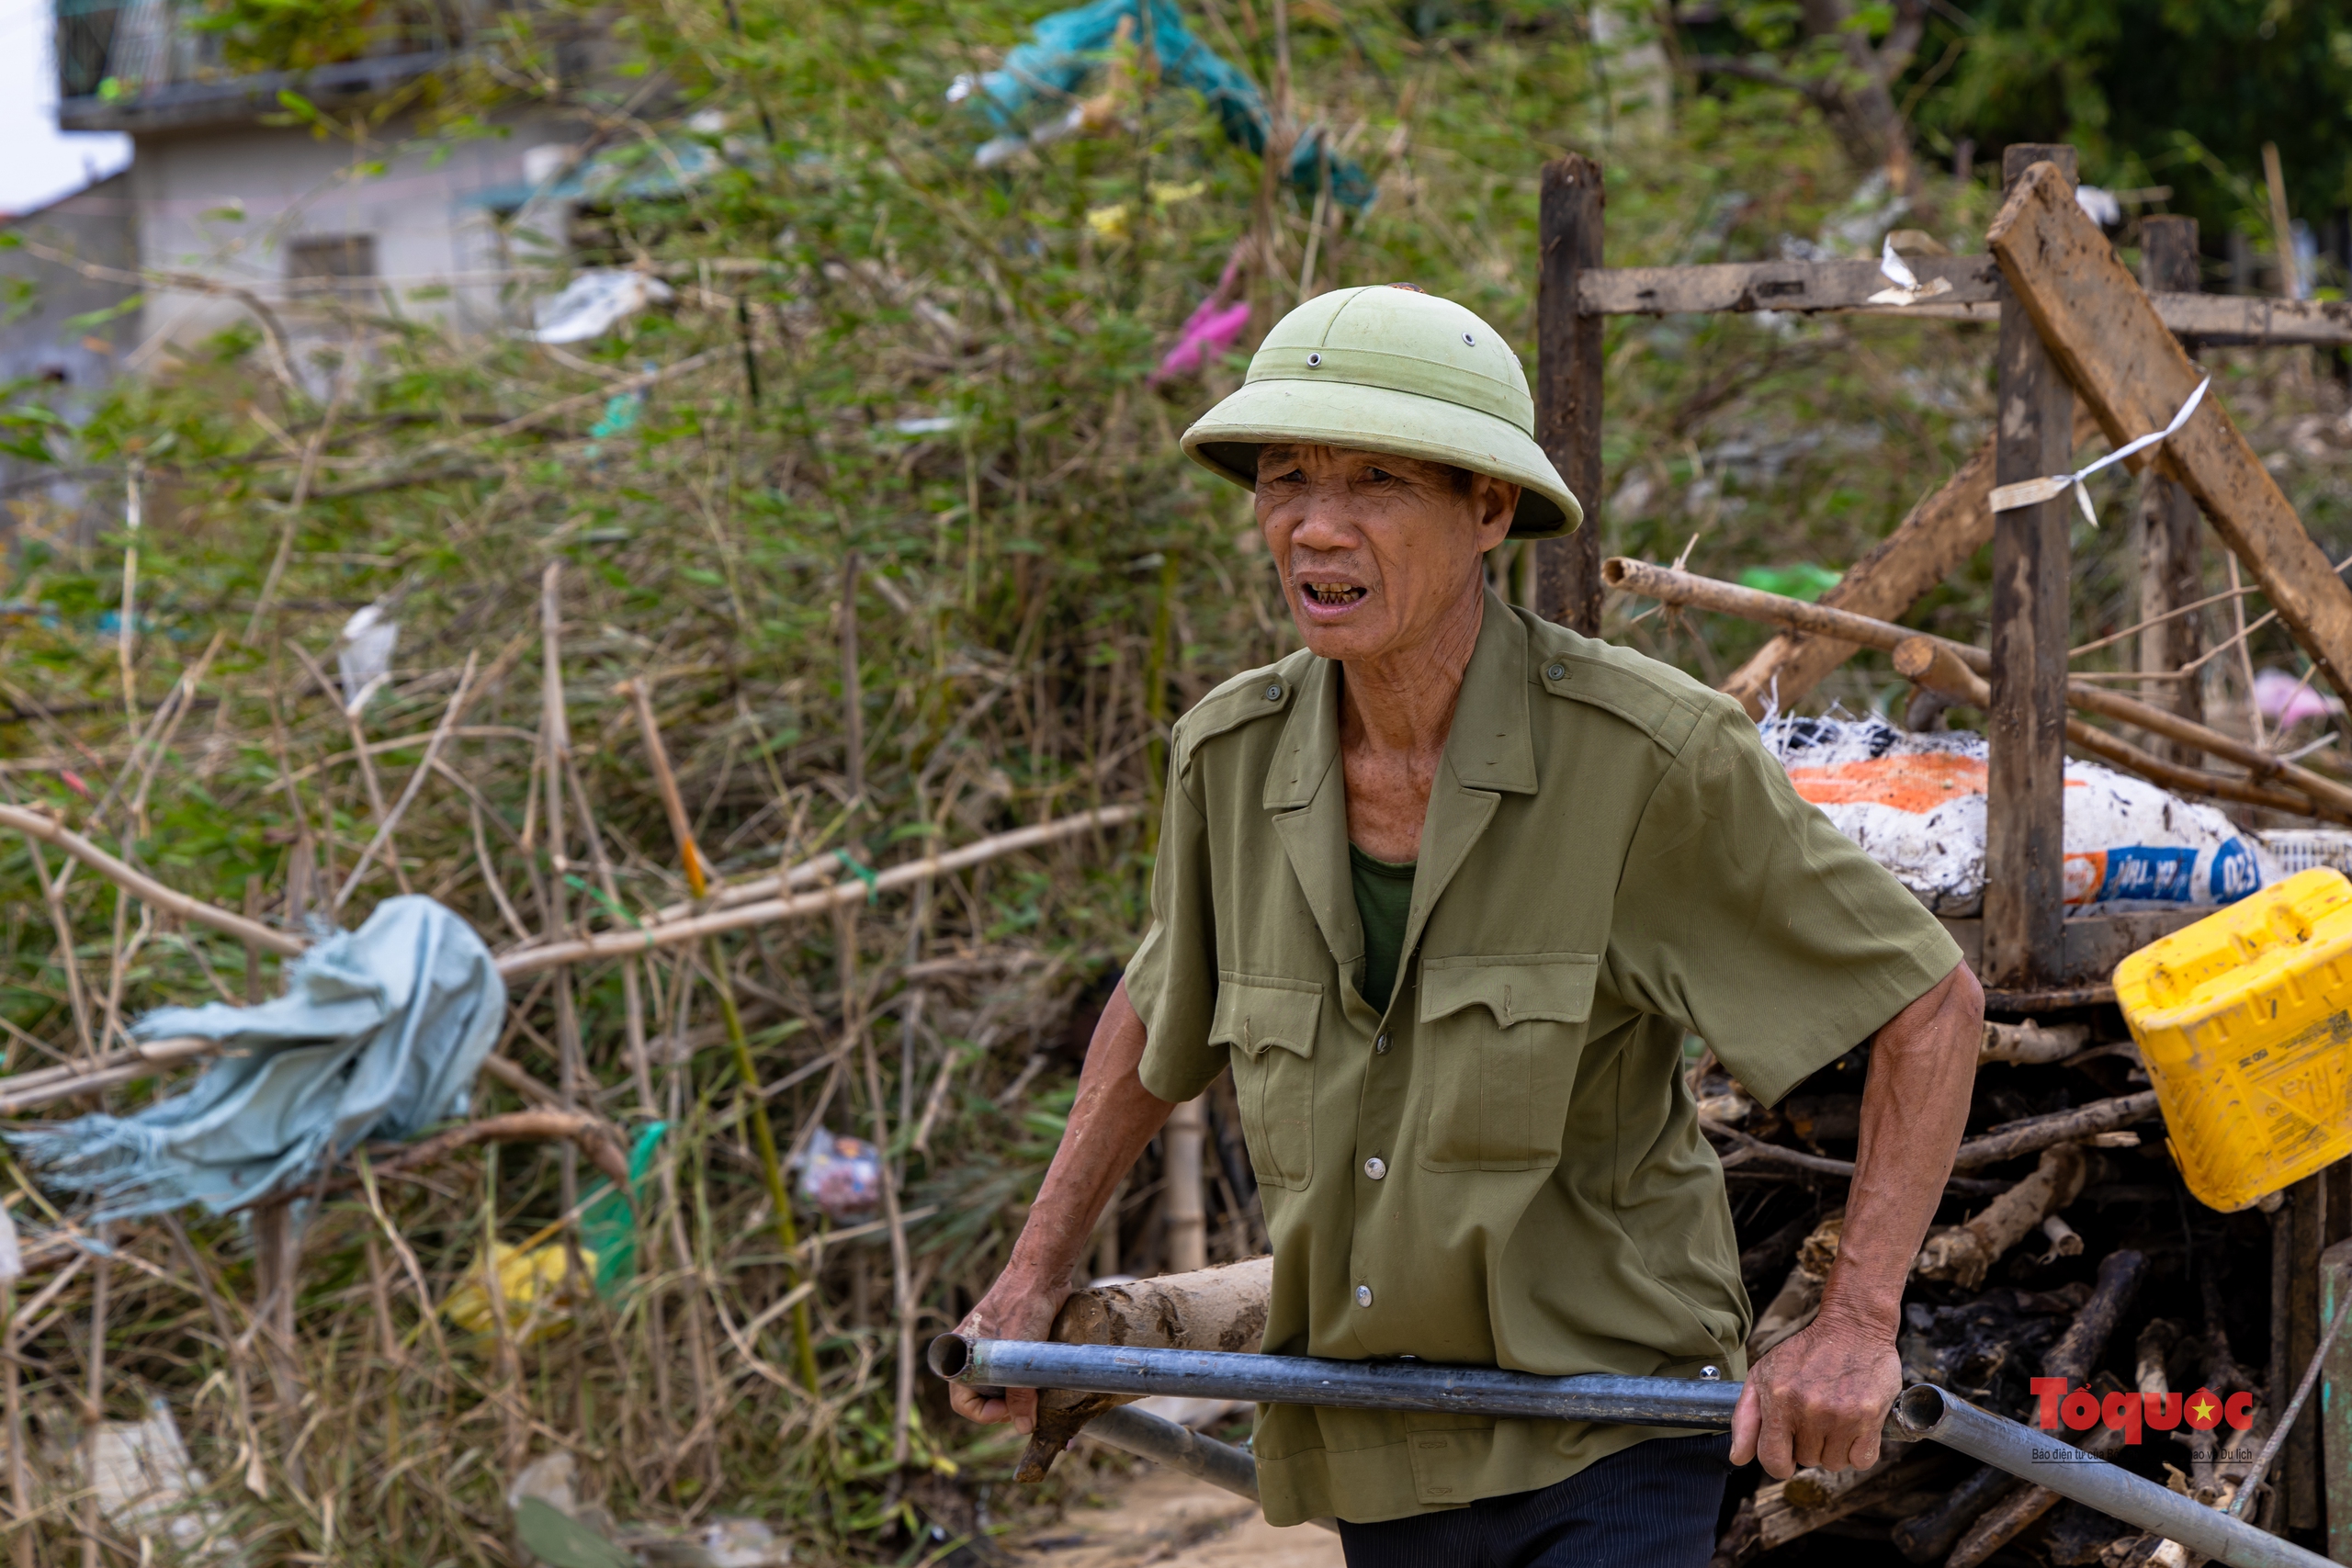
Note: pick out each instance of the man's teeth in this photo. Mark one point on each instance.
(1333, 592)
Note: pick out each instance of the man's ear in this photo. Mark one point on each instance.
(1497, 503)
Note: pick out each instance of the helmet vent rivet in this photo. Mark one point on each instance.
(1313, 360)
(1468, 339)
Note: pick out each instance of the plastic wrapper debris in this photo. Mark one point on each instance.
(1916, 804)
(379, 1035)
(535, 1278)
(364, 654)
(560, 1531)
(2288, 700)
(596, 301)
(842, 1177)
(147, 1489)
(1070, 46)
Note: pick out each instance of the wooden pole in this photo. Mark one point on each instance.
(1182, 1201)
(2024, 806)
(1567, 387)
(2173, 567)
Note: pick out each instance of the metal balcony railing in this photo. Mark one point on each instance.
(125, 64)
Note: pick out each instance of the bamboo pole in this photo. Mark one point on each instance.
(1928, 661)
(1683, 588)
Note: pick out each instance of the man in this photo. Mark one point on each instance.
(1447, 889)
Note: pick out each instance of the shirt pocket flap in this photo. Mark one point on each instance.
(1555, 987)
(1255, 1013)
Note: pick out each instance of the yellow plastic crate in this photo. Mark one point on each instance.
(2244, 1021)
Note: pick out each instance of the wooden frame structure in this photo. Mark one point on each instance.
(2030, 957)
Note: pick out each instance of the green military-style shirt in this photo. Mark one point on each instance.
(1504, 1168)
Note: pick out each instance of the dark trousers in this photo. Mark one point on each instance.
(1651, 1505)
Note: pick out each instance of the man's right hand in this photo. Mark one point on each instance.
(1013, 1309)
(1114, 1117)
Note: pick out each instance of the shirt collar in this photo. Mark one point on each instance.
(1489, 745)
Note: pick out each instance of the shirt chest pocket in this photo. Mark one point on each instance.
(1270, 1024)
(1497, 1040)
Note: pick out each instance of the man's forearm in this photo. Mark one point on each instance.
(1915, 1108)
(1112, 1119)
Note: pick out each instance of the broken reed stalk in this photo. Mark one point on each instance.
(2325, 797)
(804, 1354)
(383, 834)
(555, 749)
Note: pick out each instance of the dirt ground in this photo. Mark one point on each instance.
(1159, 1515)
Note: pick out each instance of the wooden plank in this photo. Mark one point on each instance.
(2095, 944)
(2172, 559)
(2100, 327)
(2297, 1469)
(2335, 1400)
(1775, 286)
(2025, 811)
(1568, 387)
(1975, 295)
(2250, 319)
(1934, 539)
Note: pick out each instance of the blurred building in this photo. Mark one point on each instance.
(233, 183)
(67, 319)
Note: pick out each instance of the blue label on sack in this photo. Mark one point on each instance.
(2142, 873)
(2236, 872)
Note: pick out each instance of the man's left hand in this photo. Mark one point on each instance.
(1818, 1398)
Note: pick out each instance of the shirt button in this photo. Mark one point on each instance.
(1555, 672)
(1380, 1045)
(1363, 1295)
(1375, 1167)
(1274, 694)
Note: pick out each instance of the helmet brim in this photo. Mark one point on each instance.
(1378, 418)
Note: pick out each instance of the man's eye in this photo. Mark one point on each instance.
(1288, 477)
(1379, 476)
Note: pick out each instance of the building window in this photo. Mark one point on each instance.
(340, 265)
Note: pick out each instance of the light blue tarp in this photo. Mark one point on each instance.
(1072, 44)
(379, 1035)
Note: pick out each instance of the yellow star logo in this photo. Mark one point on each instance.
(2202, 1409)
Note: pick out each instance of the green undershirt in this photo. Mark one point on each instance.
(1383, 898)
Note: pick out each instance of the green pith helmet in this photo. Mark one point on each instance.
(1389, 368)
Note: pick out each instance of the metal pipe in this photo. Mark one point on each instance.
(1359, 1386)
(1162, 1441)
(1925, 1411)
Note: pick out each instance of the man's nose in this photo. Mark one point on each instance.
(1326, 524)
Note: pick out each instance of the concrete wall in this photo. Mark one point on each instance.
(227, 202)
(69, 362)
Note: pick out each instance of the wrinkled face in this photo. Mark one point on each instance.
(1376, 551)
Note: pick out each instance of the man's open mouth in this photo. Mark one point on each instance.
(1333, 593)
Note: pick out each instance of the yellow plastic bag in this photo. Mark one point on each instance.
(540, 1291)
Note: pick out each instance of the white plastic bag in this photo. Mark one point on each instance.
(1916, 804)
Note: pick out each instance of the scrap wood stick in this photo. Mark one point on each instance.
(591, 1134)
(46, 1085)
(804, 1354)
(48, 829)
(1684, 587)
(621, 945)
(1933, 663)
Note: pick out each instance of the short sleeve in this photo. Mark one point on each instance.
(1171, 979)
(1749, 919)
